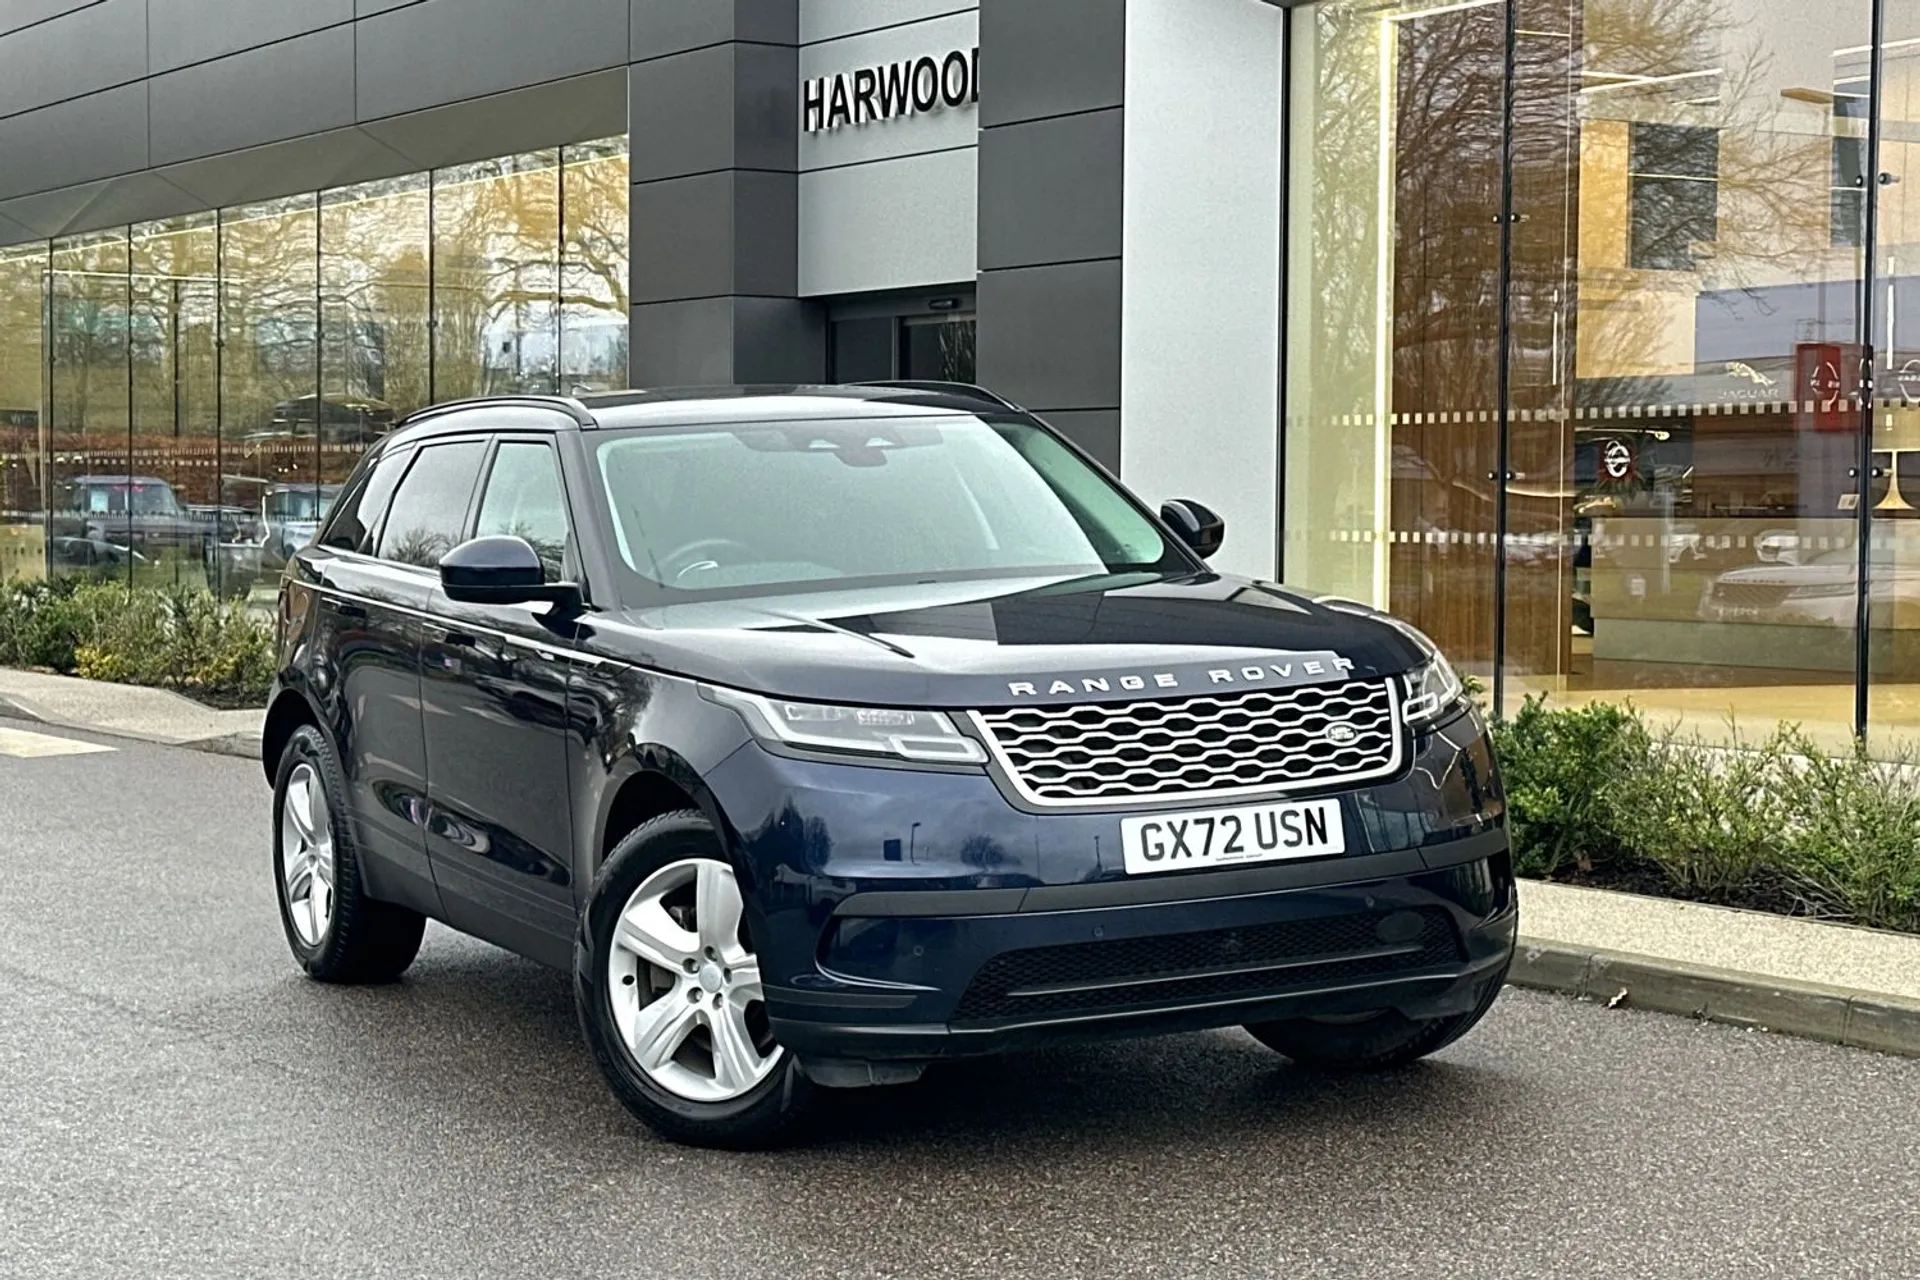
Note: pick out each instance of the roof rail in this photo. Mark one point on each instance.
(565, 404)
(951, 388)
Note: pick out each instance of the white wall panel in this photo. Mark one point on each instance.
(1200, 301)
(941, 129)
(894, 224)
(830, 19)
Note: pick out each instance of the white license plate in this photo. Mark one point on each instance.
(1229, 837)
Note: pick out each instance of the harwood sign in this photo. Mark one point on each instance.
(912, 86)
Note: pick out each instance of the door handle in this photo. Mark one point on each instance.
(451, 636)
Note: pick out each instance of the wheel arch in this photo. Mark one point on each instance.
(648, 781)
(290, 709)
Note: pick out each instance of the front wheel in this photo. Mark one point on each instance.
(1377, 1041)
(669, 993)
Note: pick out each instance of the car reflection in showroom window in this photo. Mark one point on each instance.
(1818, 587)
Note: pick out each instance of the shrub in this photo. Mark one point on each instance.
(172, 637)
(1777, 822)
(1568, 775)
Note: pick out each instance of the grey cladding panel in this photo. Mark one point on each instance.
(367, 8)
(542, 115)
(78, 53)
(682, 343)
(729, 106)
(92, 137)
(429, 54)
(1050, 336)
(661, 27)
(186, 31)
(1051, 190)
(1050, 58)
(682, 238)
(1095, 430)
(778, 340)
(25, 13)
(292, 88)
(766, 217)
(831, 19)
(682, 109)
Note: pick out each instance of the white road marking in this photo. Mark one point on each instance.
(31, 746)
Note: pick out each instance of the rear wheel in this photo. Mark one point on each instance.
(1376, 1041)
(669, 992)
(335, 930)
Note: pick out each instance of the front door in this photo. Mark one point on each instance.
(494, 694)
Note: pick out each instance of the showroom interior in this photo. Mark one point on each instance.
(1585, 334)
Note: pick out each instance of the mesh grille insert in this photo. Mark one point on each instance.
(1093, 977)
(1088, 753)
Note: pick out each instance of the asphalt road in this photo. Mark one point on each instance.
(175, 1100)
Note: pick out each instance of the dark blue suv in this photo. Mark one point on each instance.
(826, 732)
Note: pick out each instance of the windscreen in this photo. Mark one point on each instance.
(745, 508)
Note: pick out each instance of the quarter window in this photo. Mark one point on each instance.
(523, 499)
(358, 515)
(430, 508)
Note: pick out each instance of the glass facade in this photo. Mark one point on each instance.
(1610, 435)
(180, 400)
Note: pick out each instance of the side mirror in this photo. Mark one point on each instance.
(1197, 525)
(500, 569)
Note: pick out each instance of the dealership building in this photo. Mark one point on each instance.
(1578, 332)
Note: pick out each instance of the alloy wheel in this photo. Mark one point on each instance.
(306, 855)
(685, 984)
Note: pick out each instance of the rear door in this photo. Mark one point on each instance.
(494, 682)
(366, 672)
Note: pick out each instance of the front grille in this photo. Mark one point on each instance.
(1750, 595)
(1194, 968)
(1259, 740)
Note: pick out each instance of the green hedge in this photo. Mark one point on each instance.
(172, 637)
(1595, 793)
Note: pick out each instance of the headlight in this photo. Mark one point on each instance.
(908, 735)
(1433, 687)
(1432, 690)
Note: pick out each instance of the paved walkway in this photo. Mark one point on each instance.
(128, 711)
(1751, 942)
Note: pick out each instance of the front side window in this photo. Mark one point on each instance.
(523, 499)
(430, 507)
(753, 508)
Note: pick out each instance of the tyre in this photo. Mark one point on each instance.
(336, 931)
(1377, 1041)
(669, 993)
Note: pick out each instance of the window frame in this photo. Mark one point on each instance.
(477, 501)
(420, 449)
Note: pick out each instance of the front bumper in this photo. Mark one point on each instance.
(907, 915)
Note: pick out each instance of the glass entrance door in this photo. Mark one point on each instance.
(1577, 304)
(1394, 294)
(1690, 251)
(1893, 662)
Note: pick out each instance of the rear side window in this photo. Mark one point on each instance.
(358, 515)
(430, 507)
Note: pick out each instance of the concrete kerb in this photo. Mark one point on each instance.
(244, 745)
(1838, 1015)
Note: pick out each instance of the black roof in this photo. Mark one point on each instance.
(685, 406)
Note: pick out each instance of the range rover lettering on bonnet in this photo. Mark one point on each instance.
(1294, 671)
